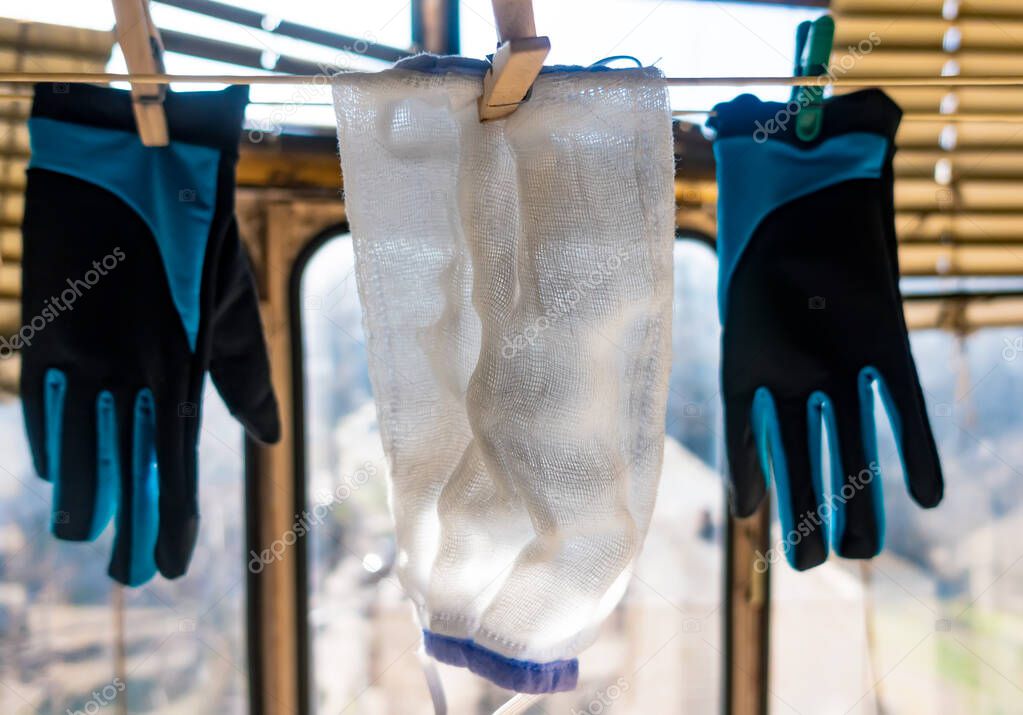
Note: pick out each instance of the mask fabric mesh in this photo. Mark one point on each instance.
(516, 284)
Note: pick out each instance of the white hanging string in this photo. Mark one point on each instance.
(433, 682)
(518, 704)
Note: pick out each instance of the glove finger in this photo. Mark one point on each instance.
(33, 403)
(177, 435)
(238, 361)
(857, 498)
(781, 433)
(747, 480)
(902, 397)
(127, 419)
(81, 499)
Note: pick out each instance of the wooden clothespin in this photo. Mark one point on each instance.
(517, 62)
(143, 52)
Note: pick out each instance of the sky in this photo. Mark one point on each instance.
(681, 37)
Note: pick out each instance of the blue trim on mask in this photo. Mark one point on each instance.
(820, 408)
(522, 676)
(54, 390)
(173, 189)
(108, 469)
(145, 495)
(756, 178)
(771, 451)
(867, 377)
(605, 62)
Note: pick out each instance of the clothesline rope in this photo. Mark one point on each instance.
(981, 117)
(976, 117)
(324, 79)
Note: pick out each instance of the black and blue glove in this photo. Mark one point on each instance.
(135, 284)
(813, 323)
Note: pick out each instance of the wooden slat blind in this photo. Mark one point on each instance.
(928, 8)
(959, 185)
(45, 48)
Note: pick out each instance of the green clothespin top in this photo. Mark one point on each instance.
(813, 52)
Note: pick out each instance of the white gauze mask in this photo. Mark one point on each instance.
(516, 285)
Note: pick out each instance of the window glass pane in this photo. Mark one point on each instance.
(71, 640)
(385, 21)
(272, 107)
(933, 624)
(660, 651)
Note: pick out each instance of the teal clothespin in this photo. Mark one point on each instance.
(802, 33)
(813, 52)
